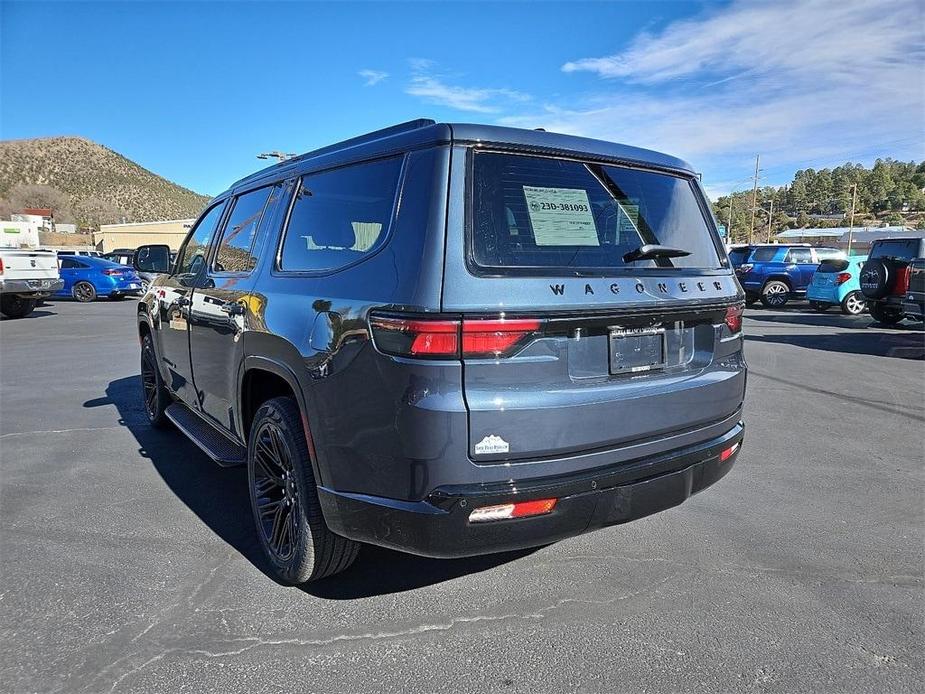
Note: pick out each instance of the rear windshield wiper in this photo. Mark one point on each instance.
(651, 251)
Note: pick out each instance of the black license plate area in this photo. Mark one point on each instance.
(633, 350)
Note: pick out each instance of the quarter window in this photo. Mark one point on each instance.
(234, 253)
(194, 251)
(340, 216)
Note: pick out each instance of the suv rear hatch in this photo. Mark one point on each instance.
(569, 345)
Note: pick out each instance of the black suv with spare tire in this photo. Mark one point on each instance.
(885, 276)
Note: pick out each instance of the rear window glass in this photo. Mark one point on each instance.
(737, 256)
(339, 216)
(836, 265)
(764, 254)
(548, 215)
(905, 249)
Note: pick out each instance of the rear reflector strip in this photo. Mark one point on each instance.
(727, 454)
(521, 509)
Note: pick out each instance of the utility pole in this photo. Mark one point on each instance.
(854, 200)
(751, 228)
(732, 201)
(770, 217)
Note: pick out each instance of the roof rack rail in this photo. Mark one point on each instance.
(369, 137)
(359, 139)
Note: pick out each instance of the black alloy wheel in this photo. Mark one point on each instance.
(276, 492)
(155, 394)
(297, 543)
(84, 292)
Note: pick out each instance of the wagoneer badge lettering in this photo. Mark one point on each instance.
(662, 287)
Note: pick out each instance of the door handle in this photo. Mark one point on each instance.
(232, 308)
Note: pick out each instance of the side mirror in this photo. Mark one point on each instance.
(152, 258)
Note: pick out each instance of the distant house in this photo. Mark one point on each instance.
(861, 237)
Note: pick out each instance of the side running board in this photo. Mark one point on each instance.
(214, 443)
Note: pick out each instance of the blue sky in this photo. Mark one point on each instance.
(193, 91)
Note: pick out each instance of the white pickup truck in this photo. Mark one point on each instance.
(26, 276)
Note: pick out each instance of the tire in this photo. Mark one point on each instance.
(84, 292)
(882, 315)
(775, 293)
(296, 542)
(155, 397)
(876, 278)
(854, 304)
(13, 306)
(820, 306)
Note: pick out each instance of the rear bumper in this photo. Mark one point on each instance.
(439, 525)
(38, 288)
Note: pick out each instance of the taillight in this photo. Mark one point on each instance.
(416, 337)
(440, 338)
(902, 281)
(112, 273)
(521, 509)
(727, 453)
(842, 277)
(1, 266)
(733, 318)
(485, 338)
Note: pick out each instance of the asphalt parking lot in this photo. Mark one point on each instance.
(129, 561)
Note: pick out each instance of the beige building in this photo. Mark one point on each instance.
(113, 236)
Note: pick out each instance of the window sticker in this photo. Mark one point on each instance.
(627, 222)
(561, 216)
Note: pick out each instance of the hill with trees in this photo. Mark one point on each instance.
(889, 193)
(87, 183)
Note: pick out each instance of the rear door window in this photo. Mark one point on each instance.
(764, 254)
(551, 216)
(340, 216)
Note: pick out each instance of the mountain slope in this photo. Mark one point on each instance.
(88, 172)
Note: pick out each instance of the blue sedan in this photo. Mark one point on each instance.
(86, 278)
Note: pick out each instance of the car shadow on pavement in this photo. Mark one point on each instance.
(37, 313)
(219, 498)
(909, 345)
(831, 319)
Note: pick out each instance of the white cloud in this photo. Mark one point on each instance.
(427, 84)
(793, 80)
(372, 77)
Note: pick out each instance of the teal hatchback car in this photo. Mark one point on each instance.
(836, 282)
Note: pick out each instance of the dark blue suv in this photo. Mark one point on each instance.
(776, 273)
(450, 339)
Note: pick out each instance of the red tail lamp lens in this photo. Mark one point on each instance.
(734, 318)
(521, 509)
(902, 281)
(495, 337)
(842, 277)
(442, 338)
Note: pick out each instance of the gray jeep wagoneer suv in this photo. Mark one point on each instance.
(451, 340)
